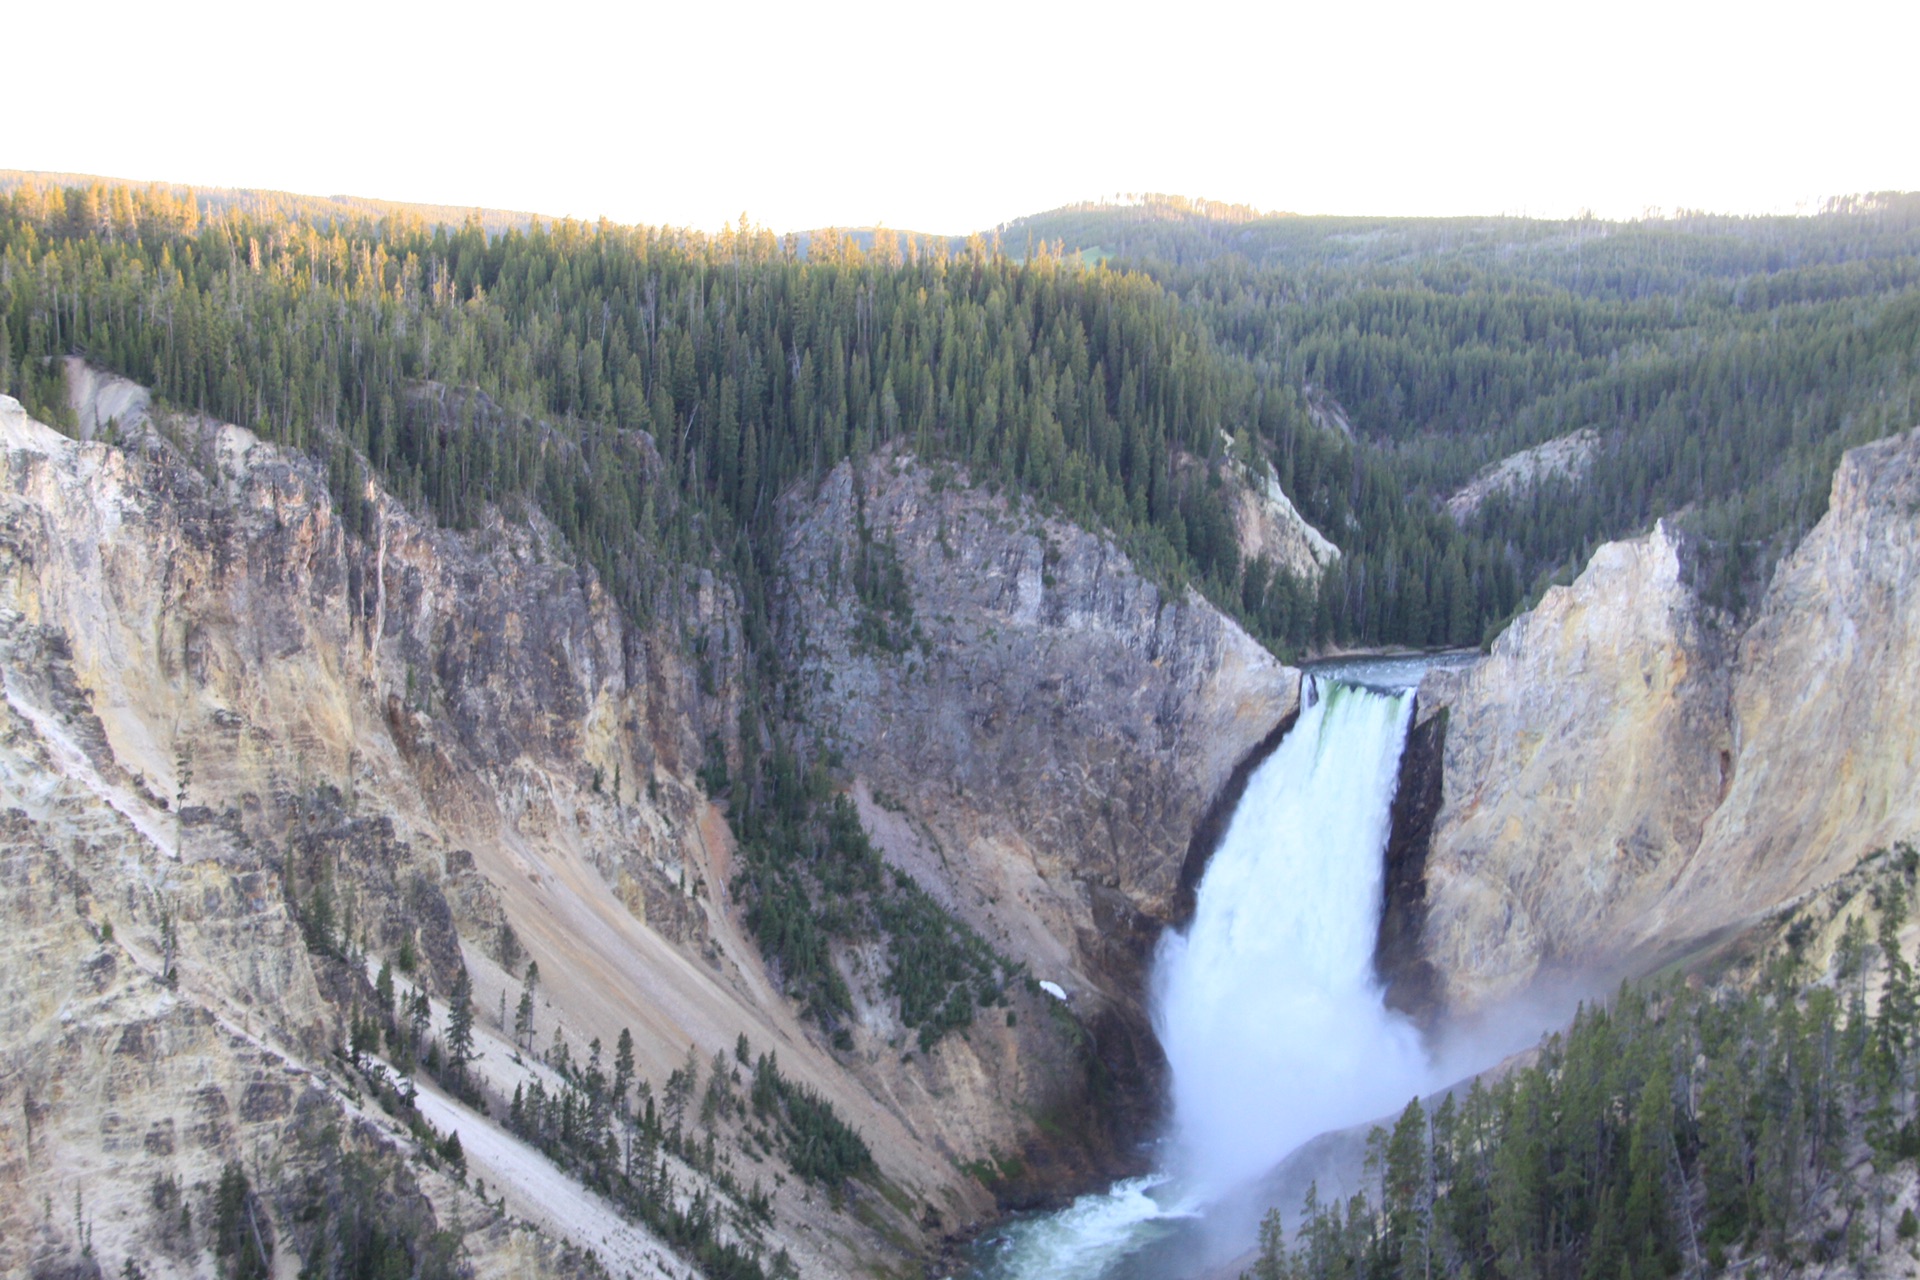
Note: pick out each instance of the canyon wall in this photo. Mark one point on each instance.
(1037, 737)
(223, 697)
(227, 695)
(1628, 773)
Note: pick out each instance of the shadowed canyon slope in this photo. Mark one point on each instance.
(1626, 773)
(1039, 745)
(222, 692)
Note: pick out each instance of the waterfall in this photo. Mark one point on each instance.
(1267, 1005)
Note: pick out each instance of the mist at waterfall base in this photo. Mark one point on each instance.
(1267, 1008)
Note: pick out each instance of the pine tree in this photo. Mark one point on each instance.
(681, 1084)
(523, 1027)
(622, 1070)
(1647, 1222)
(237, 1227)
(460, 1027)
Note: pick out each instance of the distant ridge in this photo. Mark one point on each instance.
(1182, 232)
(255, 200)
(864, 238)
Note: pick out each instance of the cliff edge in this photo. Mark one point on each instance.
(1628, 773)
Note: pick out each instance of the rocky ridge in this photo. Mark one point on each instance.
(1627, 775)
(1567, 457)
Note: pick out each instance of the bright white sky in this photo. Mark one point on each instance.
(955, 118)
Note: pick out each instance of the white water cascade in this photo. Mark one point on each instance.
(1267, 1006)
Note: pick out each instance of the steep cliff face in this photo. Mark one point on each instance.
(221, 699)
(1625, 776)
(228, 700)
(1406, 973)
(126, 1094)
(1583, 757)
(1040, 733)
(1826, 707)
(162, 1014)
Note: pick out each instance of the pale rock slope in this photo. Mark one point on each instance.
(1268, 525)
(1327, 413)
(1567, 457)
(1582, 759)
(215, 689)
(223, 689)
(1826, 703)
(123, 1094)
(1627, 777)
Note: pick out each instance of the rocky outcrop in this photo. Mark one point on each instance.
(1826, 707)
(1583, 758)
(226, 698)
(1568, 457)
(1327, 413)
(1268, 526)
(1037, 728)
(1627, 777)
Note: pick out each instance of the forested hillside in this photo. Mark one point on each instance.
(653, 392)
(470, 370)
(651, 389)
(1764, 1122)
(264, 203)
(1726, 363)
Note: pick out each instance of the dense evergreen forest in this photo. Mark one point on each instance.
(1725, 363)
(1758, 1123)
(651, 390)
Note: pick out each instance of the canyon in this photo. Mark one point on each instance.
(223, 692)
